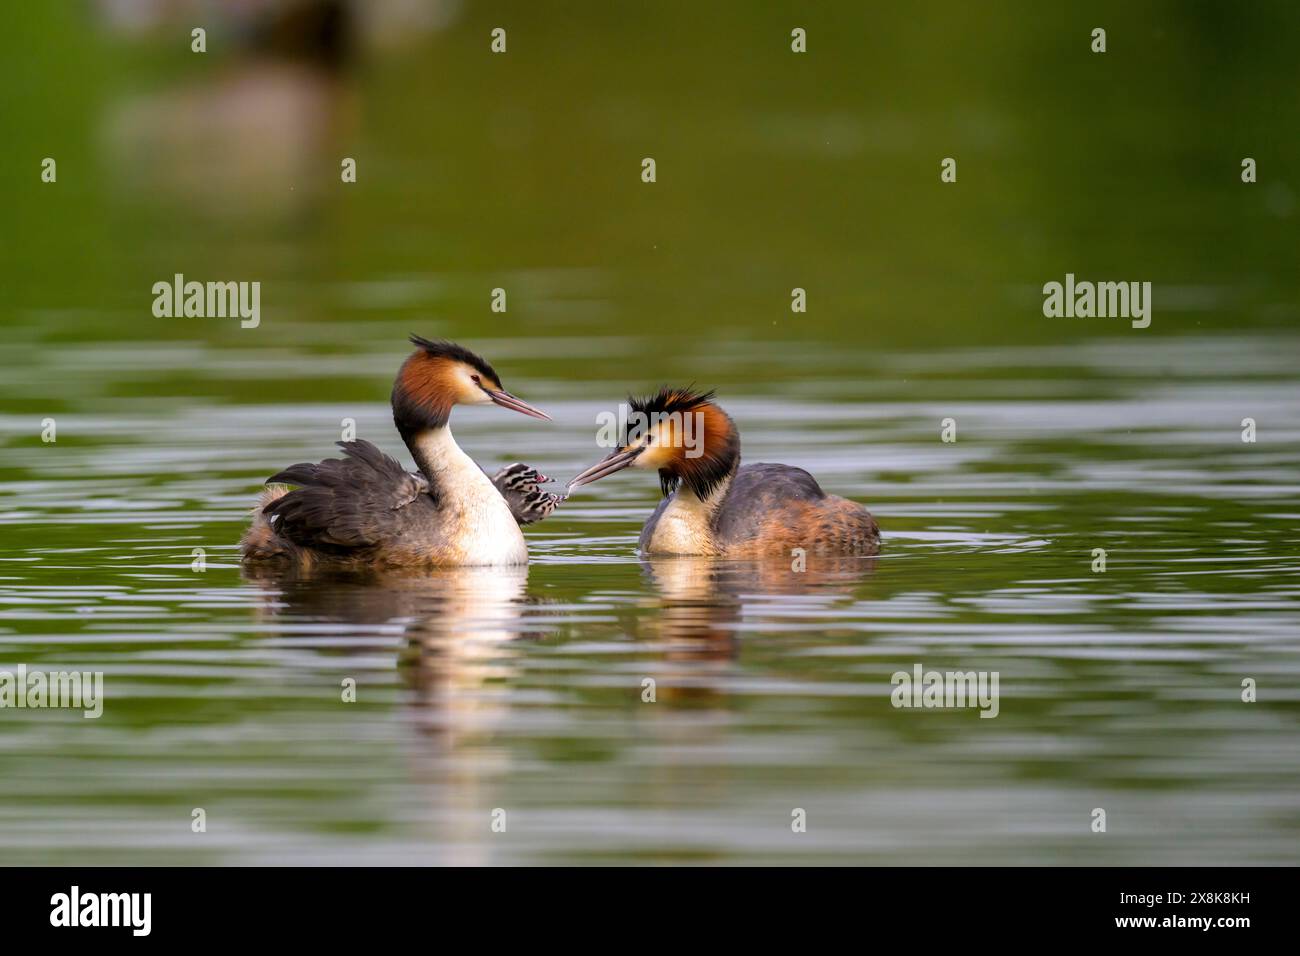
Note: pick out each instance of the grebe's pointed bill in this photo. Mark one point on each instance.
(616, 460)
(506, 400)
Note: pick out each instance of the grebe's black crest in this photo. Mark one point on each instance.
(441, 348)
(669, 400)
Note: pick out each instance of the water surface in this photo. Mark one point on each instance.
(522, 691)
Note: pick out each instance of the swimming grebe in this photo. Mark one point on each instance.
(712, 506)
(366, 510)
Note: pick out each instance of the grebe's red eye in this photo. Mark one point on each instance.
(476, 380)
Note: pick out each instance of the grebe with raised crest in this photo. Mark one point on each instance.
(713, 505)
(366, 510)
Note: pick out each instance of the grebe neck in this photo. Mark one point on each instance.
(438, 456)
(478, 525)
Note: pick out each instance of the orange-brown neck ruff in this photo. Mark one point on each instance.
(423, 394)
(720, 455)
(699, 465)
(426, 387)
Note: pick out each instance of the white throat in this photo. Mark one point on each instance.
(439, 457)
(686, 524)
(480, 528)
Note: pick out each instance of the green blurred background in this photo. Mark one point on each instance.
(775, 170)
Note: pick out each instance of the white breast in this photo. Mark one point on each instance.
(685, 525)
(480, 527)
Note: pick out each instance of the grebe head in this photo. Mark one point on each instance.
(682, 434)
(441, 374)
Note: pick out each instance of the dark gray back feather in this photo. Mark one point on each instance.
(349, 503)
(762, 489)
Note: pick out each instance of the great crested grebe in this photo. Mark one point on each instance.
(711, 505)
(365, 510)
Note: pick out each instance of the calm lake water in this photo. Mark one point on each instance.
(521, 691)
